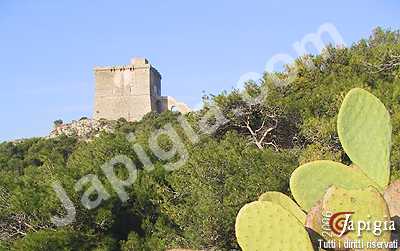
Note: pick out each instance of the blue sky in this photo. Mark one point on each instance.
(49, 48)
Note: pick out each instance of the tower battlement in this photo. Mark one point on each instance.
(130, 91)
(136, 63)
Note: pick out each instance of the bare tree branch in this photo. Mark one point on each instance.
(388, 64)
(257, 120)
(14, 225)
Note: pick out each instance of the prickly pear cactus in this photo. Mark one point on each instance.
(263, 225)
(276, 223)
(365, 205)
(285, 202)
(365, 131)
(310, 181)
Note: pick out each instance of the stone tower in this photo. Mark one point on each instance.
(130, 92)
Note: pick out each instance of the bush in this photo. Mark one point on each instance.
(220, 176)
(50, 240)
(58, 122)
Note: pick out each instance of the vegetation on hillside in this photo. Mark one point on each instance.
(254, 151)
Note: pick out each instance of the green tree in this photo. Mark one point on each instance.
(205, 195)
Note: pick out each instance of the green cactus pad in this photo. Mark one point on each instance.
(263, 225)
(310, 181)
(365, 130)
(392, 198)
(285, 202)
(366, 205)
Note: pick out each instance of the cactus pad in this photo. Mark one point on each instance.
(285, 202)
(365, 130)
(263, 225)
(358, 201)
(310, 181)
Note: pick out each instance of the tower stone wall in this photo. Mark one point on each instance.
(130, 91)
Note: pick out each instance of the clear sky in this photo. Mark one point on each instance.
(49, 48)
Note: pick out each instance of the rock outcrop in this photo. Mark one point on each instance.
(83, 129)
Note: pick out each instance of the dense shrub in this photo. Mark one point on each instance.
(204, 196)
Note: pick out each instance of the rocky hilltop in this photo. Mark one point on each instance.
(84, 128)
